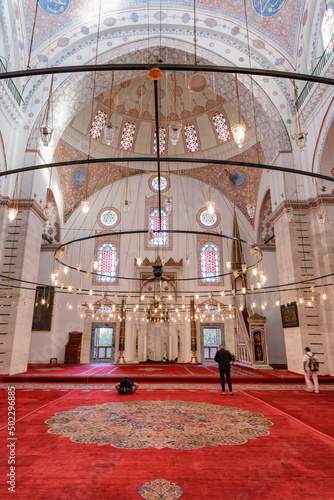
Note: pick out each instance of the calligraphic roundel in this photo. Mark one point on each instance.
(54, 7)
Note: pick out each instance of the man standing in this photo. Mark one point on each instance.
(311, 367)
(224, 357)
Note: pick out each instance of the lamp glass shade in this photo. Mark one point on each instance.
(46, 134)
(288, 213)
(197, 83)
(109, 132)
(238, 132)
(251, 210)
(174, 132)
(300, 139)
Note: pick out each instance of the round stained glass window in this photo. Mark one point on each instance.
(108, 217)
(208, 219)
(154, 183)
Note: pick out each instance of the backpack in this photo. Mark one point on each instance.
(313, 363)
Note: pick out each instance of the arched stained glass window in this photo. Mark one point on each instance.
(162, 141)
(210, 263)
(327, 29)
(191, 138)
(127, 136)
(221, 127)
(107, 262)
(160, 239)
(98, 124)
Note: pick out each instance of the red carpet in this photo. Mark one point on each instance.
(154, 372)
(281, 465)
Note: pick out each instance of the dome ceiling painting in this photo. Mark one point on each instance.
(257, 33)
(273, 24)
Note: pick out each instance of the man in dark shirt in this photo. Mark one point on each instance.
(126, 386)
(224, 357)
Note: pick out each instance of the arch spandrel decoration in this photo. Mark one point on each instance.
(266, 227)
(52, 226)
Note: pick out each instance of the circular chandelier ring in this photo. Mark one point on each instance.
(165, 67)
(163, 231)
(137, 159)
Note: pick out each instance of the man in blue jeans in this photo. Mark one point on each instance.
(223, 358)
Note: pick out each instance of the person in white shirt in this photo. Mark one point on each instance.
(308, 373)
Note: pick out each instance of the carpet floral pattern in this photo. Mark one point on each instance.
(159, 424)
(160, 489)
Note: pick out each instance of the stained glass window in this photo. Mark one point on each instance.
(327, 28)
(160, 239)
(127, 136)
(107, 262)
(191, 138)
(109, 218)
(162, 141)
(98, 124)
(210, 263)
(163, 183)
(208, 219)
(221, 127)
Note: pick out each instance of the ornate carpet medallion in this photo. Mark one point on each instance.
(159, 424)
(160, 489)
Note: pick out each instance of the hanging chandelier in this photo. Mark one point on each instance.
(110, 129)
(239, 129)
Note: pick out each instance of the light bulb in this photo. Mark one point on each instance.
(139, 261)
(65, 270)
(253, 305)
(228, 264)
(95, 265)
(211, 207)
(243, 290)
(255, 272)
(244, 268)
(324, 296)
(301, 300)
(90, 292)
(43, 301)
(187, 260)
(85, 207)
(222, 293)
(238, 132)
(309, 303)
(277, 303)
(196, 296)
(12, 213)
(142, 297)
